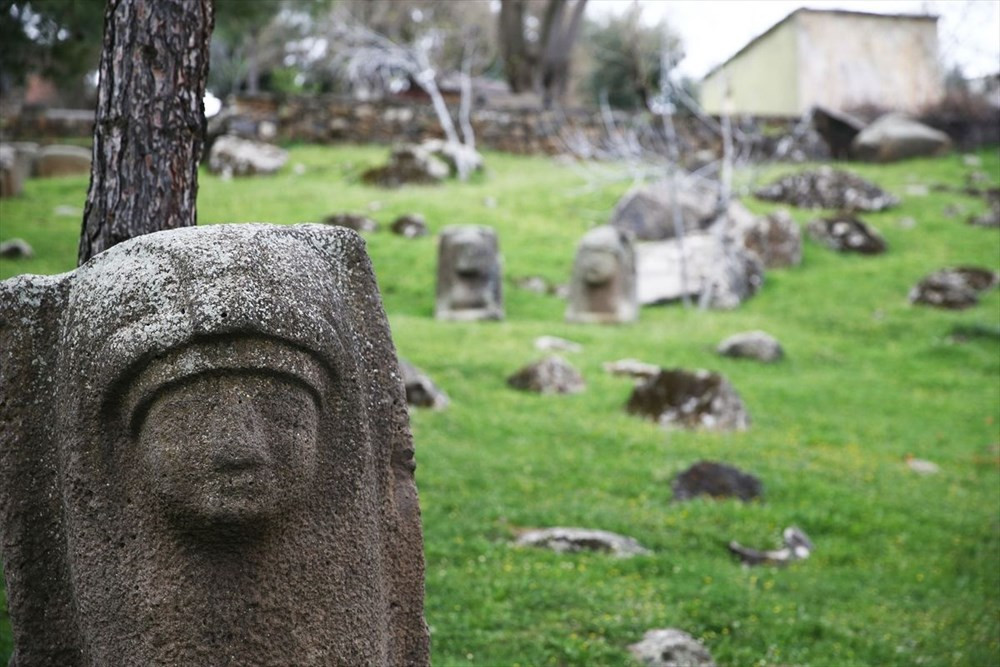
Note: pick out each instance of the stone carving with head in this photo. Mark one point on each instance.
(468, 279)
(206, 457)
(602, 288)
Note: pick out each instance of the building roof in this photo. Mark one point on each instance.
(807, 10)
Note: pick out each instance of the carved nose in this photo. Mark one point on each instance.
(237, 438)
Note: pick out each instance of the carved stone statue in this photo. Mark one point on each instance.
(468, 278)
(602, 288)
(205, 457)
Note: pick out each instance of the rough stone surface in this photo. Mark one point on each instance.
(953, 288)
(689, 399)
(714, 270)
(410, 225)
(669, 647)
(359, 223)
(16, 249)
(408, 164)
(845, 233)
(647, 211)
(234, 156)
(718, 480)
(828, 188)
(565, 540)
(894, 137)
(551, 375)
(206, 457)
(757, 345)
(775, 238)
(56, 160)
(420, 390)
(469, 285)
(602, 289)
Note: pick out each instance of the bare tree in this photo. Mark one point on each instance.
(150, 122)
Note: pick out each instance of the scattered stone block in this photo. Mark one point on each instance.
(669, 647)
(718, 480)
(459, 157)
(236, 470)
(16, 249)
(234, 156)
(421, 392)
(828, 188)
(845, 233)
(922, 466)
(895, 137)
(571, 540)
(556, 344)
(602, 288)
(408, 164)
(797, 546)
(837, 129)
(689, 399)
(56, 160)
(647, 211)
(469, 285)
(410, 225)
(757, 345)
(359, 223)
(953, 288)
(775, 238)
(551, 375)
(633, 368)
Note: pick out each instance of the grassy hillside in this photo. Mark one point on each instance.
(906, 569)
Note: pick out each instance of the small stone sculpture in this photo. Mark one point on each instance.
(469, 275)
(206, 457)
(602, 289)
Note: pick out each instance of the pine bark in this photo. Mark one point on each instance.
(150, 121)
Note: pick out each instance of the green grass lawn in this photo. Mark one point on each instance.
(906, 569)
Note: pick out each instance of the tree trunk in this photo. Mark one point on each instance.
(150, 123)
(518, 60)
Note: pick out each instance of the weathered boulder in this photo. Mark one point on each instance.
(689, 399)
(359, 223)
(602, 288)
(647, 211)
(469, 285)
(408, 164)
(828, 188)
(232, 484)
(550, 375)
(409, 225)
(421, 392)
(953, 288)
(56, 160)
(718, 480)
(757, 345)
(846, 233)
(235, 156)
(569, 540)
(895, 136)
(669, 647)
(712, 269)
(775, 238)
(16, 249)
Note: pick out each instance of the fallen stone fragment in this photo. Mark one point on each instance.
(922, 466)
(828, 188)
(757, 345)
(359, 223)
(235, 156)
(408, 164)
(556, 344)
(551, 375)
(459, 157)
(845, 233)
(953, 288)
(647, 211)
(569, 540)
(895, 136)
(689, 399)
(669, 647)
(410, 225)
(16, 249)
(421, 392)
(775, 238)
(797, 546)
(57, 160)
(633, 368)
(718, 480)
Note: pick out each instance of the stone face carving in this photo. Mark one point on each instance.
(469, 274)
(603, 285)
(202, 465)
